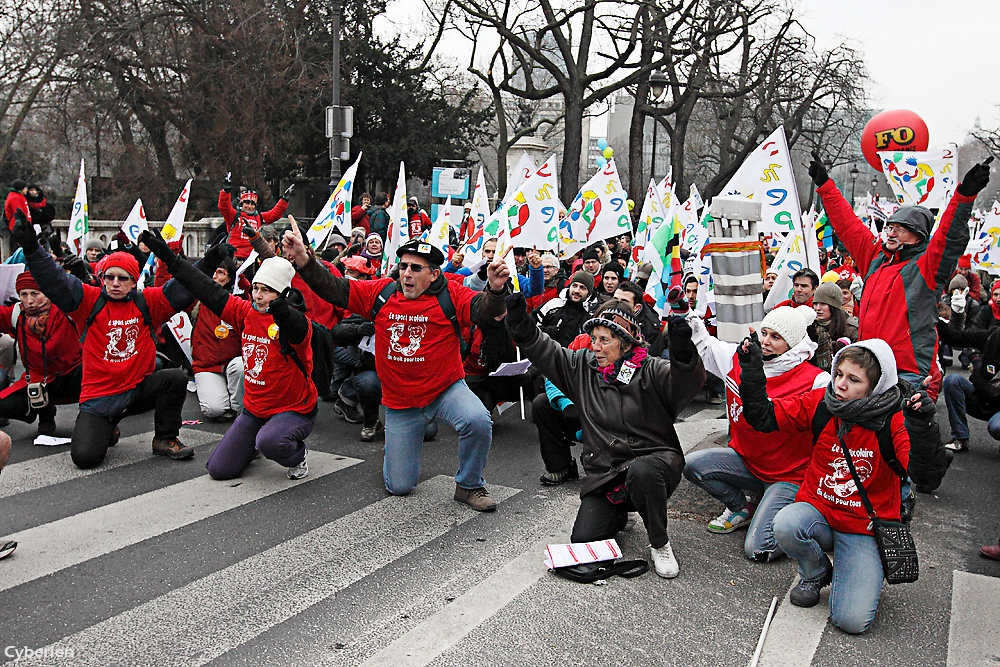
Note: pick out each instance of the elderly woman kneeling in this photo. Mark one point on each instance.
(627, 403)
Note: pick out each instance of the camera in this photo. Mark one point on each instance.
(38, 397)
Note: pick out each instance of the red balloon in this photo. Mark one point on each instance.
(896, 130)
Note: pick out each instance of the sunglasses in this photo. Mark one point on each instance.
(414, 268)
(121, 279)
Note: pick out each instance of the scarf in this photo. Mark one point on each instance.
(996, 309)
(869, 412)
(633, 359)
(36, 320)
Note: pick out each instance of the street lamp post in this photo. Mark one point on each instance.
(854, 178)
(335, 101)
(875, 187)
(657, 85)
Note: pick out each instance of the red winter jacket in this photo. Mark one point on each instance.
(793, 304)
(418, 223)
(359, 218)
(236, 219)
(214, 342)
(62, 346)
(15, 201)
(910, 278)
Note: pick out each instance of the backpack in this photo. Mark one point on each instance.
(444, 300)
(883, 435)
(137, 298)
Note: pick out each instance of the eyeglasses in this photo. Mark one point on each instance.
(108, 278)
(414, 268)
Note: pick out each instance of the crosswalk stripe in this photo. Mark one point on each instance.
(228, 608)
(60, 544)
(421, 645)
(795, 632)
(55, 468)
(975, 616)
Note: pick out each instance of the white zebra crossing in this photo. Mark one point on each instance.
(60, 544)
(228, 608)
(55, 468)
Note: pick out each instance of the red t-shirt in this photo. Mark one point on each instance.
(118, 352)
(417, 352)
(214, 342)
(272, 382)
(828, 485)
(772, 457)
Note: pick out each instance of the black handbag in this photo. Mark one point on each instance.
(588, 573)
(896, 547)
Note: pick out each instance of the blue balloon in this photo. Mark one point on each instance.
(602, 143)
(601, 161)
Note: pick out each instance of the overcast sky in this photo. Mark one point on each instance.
(933, 57)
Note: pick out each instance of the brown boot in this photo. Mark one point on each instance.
(991, 551)
(173, 448)
(478, 499)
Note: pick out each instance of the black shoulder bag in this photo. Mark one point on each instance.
(896, 547)
(588, 573)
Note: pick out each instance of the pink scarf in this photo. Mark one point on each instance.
(634, 360)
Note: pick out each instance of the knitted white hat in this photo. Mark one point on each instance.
(789, 323)
(276, 273)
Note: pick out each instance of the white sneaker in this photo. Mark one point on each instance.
(729, 521)
(664, 562)
(299, 471)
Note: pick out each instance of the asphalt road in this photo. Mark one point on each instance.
(146, 561)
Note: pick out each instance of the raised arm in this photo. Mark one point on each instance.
(327, 286)
(62, 289)
(189, 282)
(556, 363)
(757, 407)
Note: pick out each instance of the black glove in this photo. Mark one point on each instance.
(227, 182)
(279, 307)
(354, 249)
(518, 322)
(287, 195)
(366, 329)
(154, 241)
(682, 350)
(754, 355)
(976, 179)
(214, 257)
(927, 408)
(249, 231)
(76, 266)
(24, 233)
(817, 171)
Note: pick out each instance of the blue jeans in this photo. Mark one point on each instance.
(959, 396)
(723, 475)
(857, 572)
(404, 435)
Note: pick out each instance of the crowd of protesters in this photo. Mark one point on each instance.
(852, 356)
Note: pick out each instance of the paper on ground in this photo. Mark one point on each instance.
(511, 368)
(51, 441)
(579, 553)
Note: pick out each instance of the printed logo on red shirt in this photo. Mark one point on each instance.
(254, 356)
(841, 482)
(122, 332)
(413, 328)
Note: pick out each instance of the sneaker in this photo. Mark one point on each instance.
(556, 478)
(348, 412)
(958, 445)
(806, 592)
(478, 499)
(664, 562)
(992, 552)
(115, 437)
(7, 548)
(368, 433)
(47, 427)
(714, 399)
(173, 448)
(729, 521)
(299, 471)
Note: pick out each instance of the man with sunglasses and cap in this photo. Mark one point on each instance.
(247, 215)
(418, 319)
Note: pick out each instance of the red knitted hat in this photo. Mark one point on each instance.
(120, 260)
(965, 262)
(25, 281)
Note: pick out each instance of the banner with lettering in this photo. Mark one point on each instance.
(599, 211)
(925, 178)
(766, 176)
(337, 211)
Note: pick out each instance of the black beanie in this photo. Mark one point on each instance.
(590, 253)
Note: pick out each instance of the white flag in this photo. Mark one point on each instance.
(649, 216)
(694, 232)
(398, 232)
(473, 248)
(532, 214)
(438, 235)
(766, 176)
(921, 178)
(175, 221)
(135, 223)
(337, 209)
(523, 171)
(599, 211)
(790, 258)
(79, 219)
